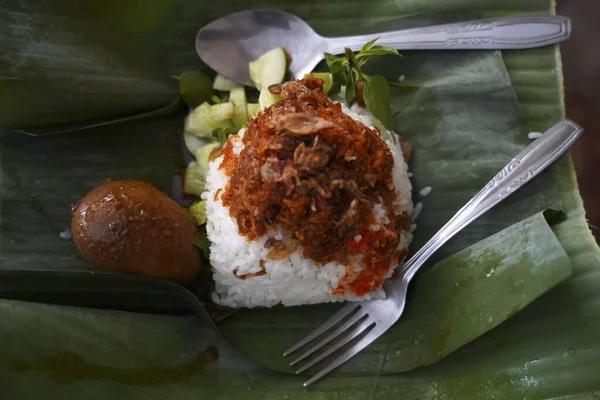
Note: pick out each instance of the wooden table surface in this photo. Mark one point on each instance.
(581, 64)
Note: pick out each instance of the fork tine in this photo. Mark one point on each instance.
(342, 328)
(354, 333)
(348, 354)
(333, 320)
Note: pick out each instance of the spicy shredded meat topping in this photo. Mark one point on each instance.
(315, 172)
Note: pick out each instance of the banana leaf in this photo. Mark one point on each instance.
(469, 115)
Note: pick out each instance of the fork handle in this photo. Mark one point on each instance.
(520, 170)
(517, 32)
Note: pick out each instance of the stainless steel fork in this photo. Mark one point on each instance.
(371, 319)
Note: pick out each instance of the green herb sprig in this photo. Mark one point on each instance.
(346, 70)
(202, 242)
(221, 134)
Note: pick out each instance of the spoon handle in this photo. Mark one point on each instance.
(518, 32)
(525, 166)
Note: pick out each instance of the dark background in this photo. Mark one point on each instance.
(581, 64)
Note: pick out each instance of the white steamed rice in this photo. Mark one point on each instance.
(293, 280)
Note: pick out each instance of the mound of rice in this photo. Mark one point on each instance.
(293, 280)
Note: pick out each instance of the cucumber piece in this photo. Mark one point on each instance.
(193, 182)
(240, 111)
(205, 118)
(223, 84)
(198, 212)
(269, 69)
(326, 76)
(203, 157)
(222, 110)
(253, 109)
(193, 142)
(267, 98)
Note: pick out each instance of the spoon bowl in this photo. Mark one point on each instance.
(228, 44)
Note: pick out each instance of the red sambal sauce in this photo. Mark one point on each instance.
(316, 172)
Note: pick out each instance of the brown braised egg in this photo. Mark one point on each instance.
(131, 227)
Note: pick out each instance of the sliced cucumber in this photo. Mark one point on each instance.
(193, 183)
(205, 118)
(222, 110)
(267, 98)
(224, 84)
(203, 157)
(198, 212)
(240, 111)
(269, 69)
(193, 142)
(253, 109)
(326, 76)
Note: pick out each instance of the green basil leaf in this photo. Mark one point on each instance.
(377, 99)
(376, 51)
(336, 65)
(350, 93)
(368, 45)
(331, 59)
(350, 85)
(362, 61)
(350, 56)
(195, 88)
(203, 243)
(221, 134)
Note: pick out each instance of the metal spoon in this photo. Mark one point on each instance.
(229, 43)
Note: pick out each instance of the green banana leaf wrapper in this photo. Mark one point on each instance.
(509, 308)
